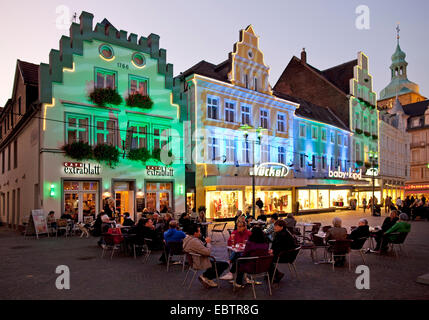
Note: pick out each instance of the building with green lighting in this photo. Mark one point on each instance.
(97, 122)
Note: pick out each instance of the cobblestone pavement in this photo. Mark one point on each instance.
(27, 271)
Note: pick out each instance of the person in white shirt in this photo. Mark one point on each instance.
(399, 203)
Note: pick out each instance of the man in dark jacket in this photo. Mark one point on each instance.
(146, 230)
(362, 231)
(282, 241)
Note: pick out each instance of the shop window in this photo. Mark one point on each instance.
(264, 115)
(138, 85)
(230, 150)
(229, 111)
(223, 204)
(77, 128)
(80, 199)
(213, 149)
(265, 153)
(105, 78)
(281, 122)
(282, 155)
(159, 196)
(140, 135)
(323, 134)
(302, 129)
(212, 108)
(245, 115)
(274, 201)
(105, 131)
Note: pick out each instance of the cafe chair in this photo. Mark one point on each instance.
(287, 257)
(191, 258)
(175, 248)
(396, 240)
(339, 248)
(219, 228)
(62, 224)
(110, 243)
(144, 247)
(357, 245)
(255, 267)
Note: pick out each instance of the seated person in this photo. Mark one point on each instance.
(202, 219)
(283, 240)
(269, 230)
(52, 222)
(257, 246)
(193, 244)
(239, 214)
(362, 231)
(66, 215)
(241, 218)
(262, 216)
(172, 235)
(290, 221)
(249, 221)
(388, 223)
(185, 221)
(128, 222)
(336, 233)
(146, 230)
(401, 226)
(167, 219)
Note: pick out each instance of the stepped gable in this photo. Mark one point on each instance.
(106, 32)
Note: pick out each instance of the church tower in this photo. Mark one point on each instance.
(407, 91)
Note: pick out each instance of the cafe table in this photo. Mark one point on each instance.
(304, 226)
(322, 235)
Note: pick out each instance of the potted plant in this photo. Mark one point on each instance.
(141, 154)
(103, 96)
(374, 136)
(106, 153)
(78, 150)
(139, 100)
(367, 134)
(359, 131)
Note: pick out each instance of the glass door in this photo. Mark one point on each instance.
(158, 196)
(80, 199)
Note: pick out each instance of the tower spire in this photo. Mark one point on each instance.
(397, 32)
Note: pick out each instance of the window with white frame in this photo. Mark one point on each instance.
(339, 139)
(332, 136)
(314, 133)
(314, 162)
(77, 128)
(213, 108)
(140, 135)
(229, 111)
(346, 141)
(302, 161)
(161, 136)
(302, 129)
(213, 149)
(265, 153)
(264, 115)
(245, 115)
(281, 122)
(324, 134)
(324, 162)
(246, 151)
(230, 150)
(105, 131)
(282, 155)
(105, 78)
(357, 121)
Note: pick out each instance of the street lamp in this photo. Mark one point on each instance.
(373, 157)
(246, 128)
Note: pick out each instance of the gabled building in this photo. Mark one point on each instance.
(237, 128)
(104, 127)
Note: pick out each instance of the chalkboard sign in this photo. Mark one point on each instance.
(37, 224)
(140, 204)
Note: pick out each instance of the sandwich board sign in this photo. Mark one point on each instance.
(37, 224)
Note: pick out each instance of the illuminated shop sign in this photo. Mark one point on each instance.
(372, 172)
(81, 168)
(159, 171)
(416, 186)
(345, 174)
(270, 169)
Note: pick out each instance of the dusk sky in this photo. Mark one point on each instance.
(195, 30)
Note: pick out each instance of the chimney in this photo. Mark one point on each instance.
(303, 56)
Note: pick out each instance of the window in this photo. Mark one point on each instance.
(373, 127)
(264, 118)
(2, 161)
(324, 134)
(302, 129)
(246, 151)
(230, 150)
(281, 122)
(346, 141)
(357, 121)
(302, 161)
(212, 108)
(255, 81)
(138, 85)
(245, 115)
(8, 157)
(15, 154)
(282, 155)
(77, 128)
(140, 136)
(19, 106)
(314, 133)
(229, 111)
(332, 163)
(324, 162)
(138, 59)
(161, 136)
(213, 151)
(106, 51)
(339, 139)
(358, 155)
(265, 153)
(105, 78)
(415, 123)
(365, 124)
(313, 162)
(105, 131)
(246, 81)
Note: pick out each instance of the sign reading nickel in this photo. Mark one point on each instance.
(159, 171)
(270, 169)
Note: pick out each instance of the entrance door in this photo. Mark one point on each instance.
(124, 199)
(80, 199)
(159, 196)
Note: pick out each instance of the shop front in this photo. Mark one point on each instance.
(81, 199)
(417, 190)
(323, 198)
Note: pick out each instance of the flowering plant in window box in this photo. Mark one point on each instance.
(156, 155)
(359, 163)
(106, 153)
(367, 134)
(141, 154)
(374, 136)
(139, 100)
(103, 96)
(359, 131)
(78, 151)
